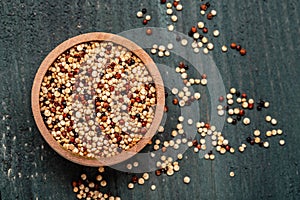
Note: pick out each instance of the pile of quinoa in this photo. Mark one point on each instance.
(97, 99)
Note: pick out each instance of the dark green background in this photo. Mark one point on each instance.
(268, 29)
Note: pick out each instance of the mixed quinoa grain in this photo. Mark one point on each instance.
(236, 108)
(97, 99)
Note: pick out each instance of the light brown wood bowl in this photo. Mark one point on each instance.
(131, 46)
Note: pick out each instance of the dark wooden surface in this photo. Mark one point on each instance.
(269, 29)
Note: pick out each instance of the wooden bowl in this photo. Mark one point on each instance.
(131, 46)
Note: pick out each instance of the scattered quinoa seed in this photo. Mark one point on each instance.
(153, 187)
(130, 185)
(281, 142)
(186, 180)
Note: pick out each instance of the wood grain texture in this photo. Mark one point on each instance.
(269, 30)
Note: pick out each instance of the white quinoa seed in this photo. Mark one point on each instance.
(196, 35)
(229, 120)
(153, 187)
(232, 90)
(204, 40)
(210, 46)
(190, 121)
(130, 185)
(196, 150)
(83, 176)
(148, 17)
(181, 103)
(229, 96)
(266, 104)
(186, 180)
(167, 53)
(192, 81)
(188, 94)
(269, 133)
(180, 118)
(236, 111)
(135, 164)
(282, 142)
(160, 129)
(174, 133)
(184, 75)
(179, 126)
(176, 168)
(266, 144)
(153, 51)
(241, 149)
(141, 181)
(174, 18)
(224, 48)
(169, 5)
(184, 42)
(231, 150)
(201, 25)
(216, 33)
(257, 140)
(129, 166)
(206, 156)
(251, 101)
(174, 91)
(211, 156)
(213, 12)
(200, 44)
(103, 183)
(279, 131)
(256, 132)
(170, 46)
(245, 104)
(231, 174)
(221, 112)
(246, 121)
(179, 156)
(230, 101)
(101, 169)
(99, 177)
(196, 50)
(171, 27)
(239, 100)
(169, 11)
(197, 95)
(205, 50)
(203, 82)
(273, 121)
(225, 142)
(170, 172)
(176, 146)
(179, 7)
(160, 53)
(139, 14)
(268, 118)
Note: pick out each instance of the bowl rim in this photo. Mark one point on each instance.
(90, 37)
